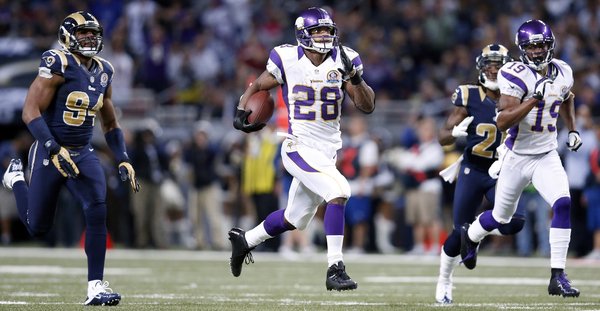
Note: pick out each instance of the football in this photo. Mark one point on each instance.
(261, 104)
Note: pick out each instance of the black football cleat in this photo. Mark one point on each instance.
(561, 286)
(468, 248)
(240, 251)
(338, 279)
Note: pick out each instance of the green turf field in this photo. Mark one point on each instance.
(55, 279)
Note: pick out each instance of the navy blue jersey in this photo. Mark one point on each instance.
(72, 111)
(483, 135)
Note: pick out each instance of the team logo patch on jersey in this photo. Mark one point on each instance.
(104, 79)
(50, 60)
(564, 91)
(333, 76)
(454, 97)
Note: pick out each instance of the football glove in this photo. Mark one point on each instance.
(240, 122)
(574, 141)
(460, 130)
(348, 72)
(63, 162)
(540, 88)
(127, 172)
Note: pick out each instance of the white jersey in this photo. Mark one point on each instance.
(313, 94)
(536, 133)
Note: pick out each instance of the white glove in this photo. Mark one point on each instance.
(574, 141)
(460, 130)
(494, 170)
(541, 86)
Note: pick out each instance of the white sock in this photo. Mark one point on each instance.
(334, 249)
(257, 235)
(559, 246)
(91, 285)
(447, 265)
(383, 229)
(476, 231)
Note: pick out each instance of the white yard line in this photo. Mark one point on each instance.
(188, 255)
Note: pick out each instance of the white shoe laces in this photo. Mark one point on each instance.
(101, 287)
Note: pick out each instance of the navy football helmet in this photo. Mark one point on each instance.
(77, 21)
(491, 55)
(535, 33)
(315, 18)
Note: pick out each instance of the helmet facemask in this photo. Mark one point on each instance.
(489, 62)
(538, 60)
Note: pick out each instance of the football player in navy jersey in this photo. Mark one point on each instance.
(72, 86)
(473, 117)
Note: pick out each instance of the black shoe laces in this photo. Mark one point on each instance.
(563, 281)
(248, 259)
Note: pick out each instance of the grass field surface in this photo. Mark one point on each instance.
(55, 279)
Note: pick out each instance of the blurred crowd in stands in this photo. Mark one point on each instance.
(202, 54)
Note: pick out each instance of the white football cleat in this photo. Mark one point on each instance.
(14, 173)
(443, 292)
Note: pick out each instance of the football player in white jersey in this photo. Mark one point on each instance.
(534, 92)
(314, 76)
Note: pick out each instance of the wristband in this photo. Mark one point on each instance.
(39, 129)
(116, 143)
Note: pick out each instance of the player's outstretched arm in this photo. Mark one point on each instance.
(116, 141)
(447, 133)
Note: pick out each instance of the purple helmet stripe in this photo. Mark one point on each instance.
(510, 140)
(299, 161)
(276, 59)
(357, 61)
(515, 80)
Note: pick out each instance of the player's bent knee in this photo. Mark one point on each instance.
(301, 223)
(513, 227)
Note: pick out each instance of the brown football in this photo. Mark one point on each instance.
(261, 104)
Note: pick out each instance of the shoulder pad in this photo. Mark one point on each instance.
(54, 61)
